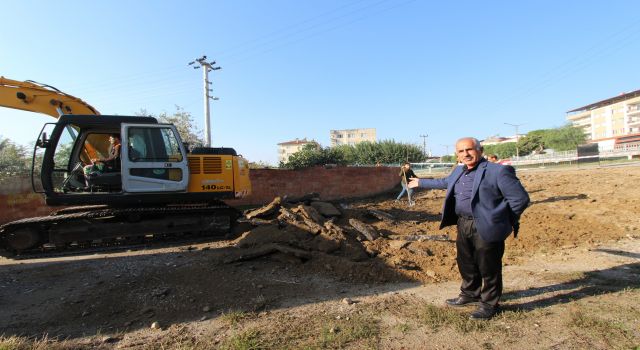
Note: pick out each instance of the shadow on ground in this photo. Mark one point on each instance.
(591, 283)
(110, 293)
(560, 198)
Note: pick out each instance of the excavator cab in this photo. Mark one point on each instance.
(151, 160)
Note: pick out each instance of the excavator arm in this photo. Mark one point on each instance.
(41, 98)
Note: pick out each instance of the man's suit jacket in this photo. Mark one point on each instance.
(497, 199)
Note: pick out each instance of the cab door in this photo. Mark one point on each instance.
(153, 159)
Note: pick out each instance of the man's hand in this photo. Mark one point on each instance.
(413, 182)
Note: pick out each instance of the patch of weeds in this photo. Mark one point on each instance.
(437, 317)
(322, 331)
(514, 315)
(247, 340)
(359, 329)
(599, 328)
(234, 317)
(403, 327)
(44, 343)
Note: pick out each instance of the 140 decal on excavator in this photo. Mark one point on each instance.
(214, 187)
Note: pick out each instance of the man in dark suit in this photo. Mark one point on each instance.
(485, 201)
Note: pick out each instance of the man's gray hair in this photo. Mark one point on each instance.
(476, 142)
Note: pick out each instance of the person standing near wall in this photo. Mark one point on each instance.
(485, 200)
(406, 173)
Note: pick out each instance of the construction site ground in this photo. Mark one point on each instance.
(572, 280)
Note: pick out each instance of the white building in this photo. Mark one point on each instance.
(286, 149)
(610, 122)
(352, 136)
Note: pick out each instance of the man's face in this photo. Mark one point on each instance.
(467, 153)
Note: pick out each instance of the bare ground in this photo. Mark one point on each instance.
(571, 281)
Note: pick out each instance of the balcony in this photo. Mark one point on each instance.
(633, 110)
(579, 115)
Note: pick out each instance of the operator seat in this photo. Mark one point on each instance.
(110, 180)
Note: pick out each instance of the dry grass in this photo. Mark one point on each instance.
(45, 343)
(247, 340)
(436, 318)
(317, 331)
(232, 318)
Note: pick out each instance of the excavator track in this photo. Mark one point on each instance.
(99, 228)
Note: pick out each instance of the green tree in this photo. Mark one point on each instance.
(259, 165)
(502, 150)
(534, 141)
(14, 159)
(183, 121)
(364, 153)
(386, 152)
(564, 138)
(311, 155)
(449, 159)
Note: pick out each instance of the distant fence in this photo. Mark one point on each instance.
(424, 169)
(624, 152)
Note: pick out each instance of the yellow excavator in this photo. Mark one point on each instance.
(156, 188)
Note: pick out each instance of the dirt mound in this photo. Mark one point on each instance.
(568, 208)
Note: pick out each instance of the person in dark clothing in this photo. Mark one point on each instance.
(406, 174)
(485, 200)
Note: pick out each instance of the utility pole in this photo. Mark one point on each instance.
(446, 152)
(424, 144)
(206, 68)
(517, 137)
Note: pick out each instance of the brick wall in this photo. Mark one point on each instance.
(331, 183)
(18, 201)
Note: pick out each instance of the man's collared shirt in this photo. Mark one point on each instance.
(462, 191)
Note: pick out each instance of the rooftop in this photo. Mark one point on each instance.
(296, 142)
(609, 101)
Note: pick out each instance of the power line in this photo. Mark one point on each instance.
(273, 48)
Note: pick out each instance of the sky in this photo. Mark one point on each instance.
(296, 69)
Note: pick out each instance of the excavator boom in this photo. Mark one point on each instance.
(41, 98)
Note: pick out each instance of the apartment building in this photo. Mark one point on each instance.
(286, 149)
(352, 136)
(609, 122)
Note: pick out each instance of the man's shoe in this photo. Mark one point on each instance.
(461, 301)
(483, 313)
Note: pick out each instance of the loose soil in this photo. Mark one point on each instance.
(571, 281)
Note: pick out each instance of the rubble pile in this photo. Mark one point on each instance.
(307, 228)
(299, 227)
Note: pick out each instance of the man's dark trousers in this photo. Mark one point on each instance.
(480, 264)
